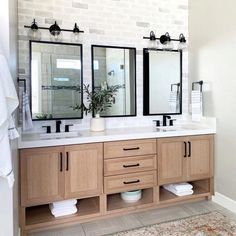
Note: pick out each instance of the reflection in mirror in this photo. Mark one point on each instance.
(162, 82)
(56, 79)
(116, 66)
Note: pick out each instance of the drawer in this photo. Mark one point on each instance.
(129, 148)
(121, 183)
(127, 165)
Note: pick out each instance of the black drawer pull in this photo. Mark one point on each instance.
(131, 149)
(128, 166)
(67, 161)
(189, 150)
(185, 149)
(61, 167)
(132, 182)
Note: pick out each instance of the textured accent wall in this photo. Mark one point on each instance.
(107, 22)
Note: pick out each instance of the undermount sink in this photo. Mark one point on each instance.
(168, 128)
(60, 135)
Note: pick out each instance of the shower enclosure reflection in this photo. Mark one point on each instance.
(56, 79)
(116, 66)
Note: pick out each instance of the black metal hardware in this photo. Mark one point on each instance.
(200, 84)
(131, 149)
(185, 149)
(132, 182)
(165, 117)
(157, 122)
(67, 161)
(54, 29)
(178, 86)
(128, 166)
(61, 165)
(24, 82)
(67, 128)
(48, 128)
(189, 149)
(172, 122)
(58, 126)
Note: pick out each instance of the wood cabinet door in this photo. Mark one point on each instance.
(83, 170)
(171, 160)
(42, 177)
(200, 157)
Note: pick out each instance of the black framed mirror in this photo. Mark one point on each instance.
(112, 65)
(56, 71)
(162, 82)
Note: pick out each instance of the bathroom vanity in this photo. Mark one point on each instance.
(96, 167)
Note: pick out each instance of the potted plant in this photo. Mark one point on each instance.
(98, 101)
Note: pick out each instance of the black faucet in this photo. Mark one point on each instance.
(165, 117)
(58, 126)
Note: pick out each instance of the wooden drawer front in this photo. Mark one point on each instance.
(121, 183)
(129, 165)
(129, 148)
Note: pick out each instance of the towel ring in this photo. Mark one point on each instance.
(178, 86)
(200, 83)
(24, 82)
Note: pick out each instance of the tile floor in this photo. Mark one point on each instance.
(116, 224)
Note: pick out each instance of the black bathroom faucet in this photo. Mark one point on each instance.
(58, 126)
(165, 117)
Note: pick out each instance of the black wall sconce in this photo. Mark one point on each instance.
(165, 41)
(54, 29)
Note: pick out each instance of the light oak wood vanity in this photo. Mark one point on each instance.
(96, 173)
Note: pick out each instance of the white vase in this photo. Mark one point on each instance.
(97, 123)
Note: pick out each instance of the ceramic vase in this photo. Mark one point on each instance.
(97, 123)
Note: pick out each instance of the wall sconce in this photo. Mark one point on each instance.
(54, 29)
(165, 41)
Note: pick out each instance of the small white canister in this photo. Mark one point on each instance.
(131, 196)
(97, 123)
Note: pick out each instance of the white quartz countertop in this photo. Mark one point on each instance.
(33, 140)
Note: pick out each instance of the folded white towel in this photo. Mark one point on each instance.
(178, 193)
(63, 212)
(65, 203)
(180, 187)
(26, 114)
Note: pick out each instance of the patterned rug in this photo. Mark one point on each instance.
(210, 224)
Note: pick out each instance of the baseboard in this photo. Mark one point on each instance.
(225, 202)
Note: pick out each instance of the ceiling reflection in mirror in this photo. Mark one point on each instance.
(162, 82)
(116, 66)
(56, 79)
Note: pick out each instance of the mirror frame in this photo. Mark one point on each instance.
(30, 73)
(135, 75)
(146, 74)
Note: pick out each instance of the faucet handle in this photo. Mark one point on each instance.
(48, 127)
(172, 122)
(157, 122)
(67, 128)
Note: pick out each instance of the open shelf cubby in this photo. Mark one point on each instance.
(42, 214)
(201, 188)
(115, 202)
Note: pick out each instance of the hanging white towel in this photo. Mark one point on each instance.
(27, 119)
(196, 98)
(174, 102)
(8, 104)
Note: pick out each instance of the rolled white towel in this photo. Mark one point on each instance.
(65, 203)
(182, 187)
(63, 212)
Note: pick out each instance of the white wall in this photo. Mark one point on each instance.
(9, 197)
(212, 58)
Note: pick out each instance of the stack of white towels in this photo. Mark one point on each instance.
(63, 208)
(180, 189)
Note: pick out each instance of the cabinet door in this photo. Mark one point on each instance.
(42, 177)
(84, 170)
(171, 160)
(200, 157)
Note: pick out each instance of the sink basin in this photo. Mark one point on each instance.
(60, 135)
(168, 128)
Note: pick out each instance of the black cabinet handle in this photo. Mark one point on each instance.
(189, 149)
(61, 167)
(185, 149)
(127, 166)
(132, 182)
(131, 149)
(67, 161)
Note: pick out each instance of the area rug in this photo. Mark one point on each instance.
(210, 224)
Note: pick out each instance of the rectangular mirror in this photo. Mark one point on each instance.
(162, 82)
(116, 66)
(56, 79)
